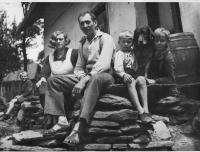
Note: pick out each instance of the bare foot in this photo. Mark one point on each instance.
(73, 139)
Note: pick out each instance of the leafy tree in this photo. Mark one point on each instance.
(9, 59)
(26, 37)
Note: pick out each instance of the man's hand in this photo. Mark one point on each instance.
(151, 81)
(127, 78)
(78, 88)
(40, 81)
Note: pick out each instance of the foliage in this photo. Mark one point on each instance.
(9, 60)
(26, 37)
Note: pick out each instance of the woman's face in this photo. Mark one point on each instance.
(60, 41)
(160, 41)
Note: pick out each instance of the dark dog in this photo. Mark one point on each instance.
(144, 48)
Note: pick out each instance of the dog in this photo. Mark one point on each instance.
(144, 48)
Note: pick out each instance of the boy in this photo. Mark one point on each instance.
(26, 91)
(125, 66)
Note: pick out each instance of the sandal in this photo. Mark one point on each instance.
(52, 132)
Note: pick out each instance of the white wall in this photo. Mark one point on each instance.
(63, 16)
(122, 16)
(190, 16)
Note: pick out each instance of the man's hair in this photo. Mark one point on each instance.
(93, 17)
(126, 34)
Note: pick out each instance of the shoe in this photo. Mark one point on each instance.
(52, 132)
(142, 139)
(145, 118)
(4, 117)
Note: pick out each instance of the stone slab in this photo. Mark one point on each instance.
(103, 132)
(98, 147)
(104, 124)
(161, 131)
(110, 101)
(118, 116)
(118, 139)
(155, 144)
(119, 147)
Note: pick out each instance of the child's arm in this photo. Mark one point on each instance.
(119, 67)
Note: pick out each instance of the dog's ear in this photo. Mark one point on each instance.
(151, 34)
(136, 35)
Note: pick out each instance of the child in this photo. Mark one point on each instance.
(125, 66)
(162, 66)
(26, 91)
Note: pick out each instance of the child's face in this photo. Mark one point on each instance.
(126, 43)
(160, 42)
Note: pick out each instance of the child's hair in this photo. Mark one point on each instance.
(23, 73)
(163, 31)
(125, 34)
(54, 35)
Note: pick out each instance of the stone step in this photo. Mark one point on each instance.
(118, 116)
(99, 132)
(112, 102)
(104, 124)
(115, 139)
(150, 145)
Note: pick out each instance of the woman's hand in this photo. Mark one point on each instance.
(40, 81)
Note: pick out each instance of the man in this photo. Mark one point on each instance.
(91, 74)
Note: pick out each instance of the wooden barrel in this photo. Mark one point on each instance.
(186, 54)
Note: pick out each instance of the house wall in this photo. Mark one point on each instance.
(63, 16)
(190, 16)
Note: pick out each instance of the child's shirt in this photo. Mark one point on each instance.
(125, 62)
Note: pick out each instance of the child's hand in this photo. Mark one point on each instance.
(127, 78)
(151, 81)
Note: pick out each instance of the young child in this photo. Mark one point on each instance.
(162, 66)
(125, 66)
(26, 91)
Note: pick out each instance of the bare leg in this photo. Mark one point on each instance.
(11, 106)
(141, 83)
(134, 96)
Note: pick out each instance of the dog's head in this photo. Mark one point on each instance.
(143, 36)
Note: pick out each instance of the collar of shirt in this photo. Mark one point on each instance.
(63, 56)
(98, 34)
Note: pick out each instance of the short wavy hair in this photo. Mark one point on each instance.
(163, 31)
(52, 41)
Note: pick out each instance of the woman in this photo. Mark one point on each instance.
(59, 62)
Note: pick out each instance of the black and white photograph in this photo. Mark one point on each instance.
(99, 75)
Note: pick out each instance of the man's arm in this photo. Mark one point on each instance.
(118, 64)
(80, 65)
(104, 61)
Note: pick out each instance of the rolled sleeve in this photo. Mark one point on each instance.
(118, 64)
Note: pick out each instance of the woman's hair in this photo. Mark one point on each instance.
(52, 41)
(163, 31)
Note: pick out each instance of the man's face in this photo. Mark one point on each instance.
(60, 41)
(87, 25)
(126, 43)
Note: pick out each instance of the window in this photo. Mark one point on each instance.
(101, 13)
